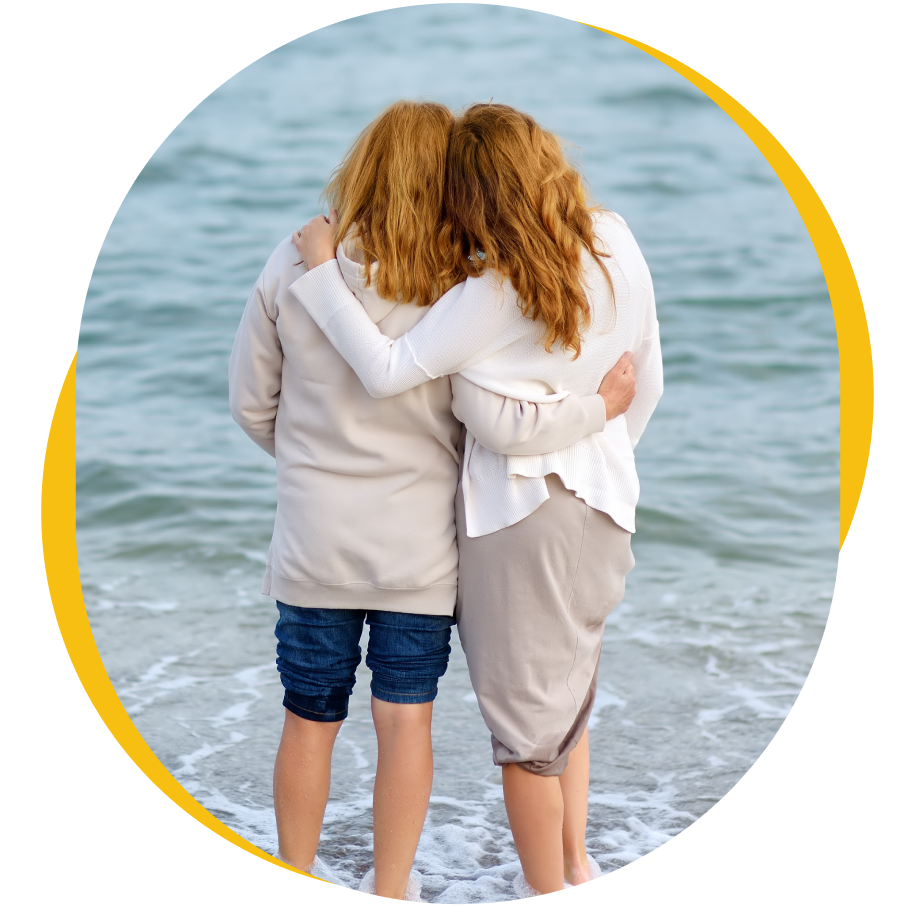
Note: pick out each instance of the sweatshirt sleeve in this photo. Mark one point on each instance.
(520, 427)
(255, 368)
(467, 324)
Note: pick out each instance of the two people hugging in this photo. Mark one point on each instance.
(452, 371)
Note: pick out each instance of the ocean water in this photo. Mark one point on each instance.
(738, 524)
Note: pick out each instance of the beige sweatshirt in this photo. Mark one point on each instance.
(365, 487)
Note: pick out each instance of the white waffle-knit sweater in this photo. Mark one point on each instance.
(478, 330)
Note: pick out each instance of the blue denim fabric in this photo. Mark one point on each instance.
(318, 651)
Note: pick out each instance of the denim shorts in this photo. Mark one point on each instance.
(318, 651)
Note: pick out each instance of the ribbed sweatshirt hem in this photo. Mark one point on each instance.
(438, 599)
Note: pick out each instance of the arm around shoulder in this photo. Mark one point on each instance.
(466, 324)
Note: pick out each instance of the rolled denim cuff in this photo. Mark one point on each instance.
(389, 689)
(312, 709)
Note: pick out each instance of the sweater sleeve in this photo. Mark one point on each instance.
(647, 364)
(519, 427)
(467, 324)
(255, 369)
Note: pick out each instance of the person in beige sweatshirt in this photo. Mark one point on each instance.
(365, 524)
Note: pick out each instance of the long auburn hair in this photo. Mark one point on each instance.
(390, 188)
(513, 197)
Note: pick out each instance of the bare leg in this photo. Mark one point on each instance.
(574, 787)
(534, 804)
(302, 780)
(403, 782)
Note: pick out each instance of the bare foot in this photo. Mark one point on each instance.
(581, 868)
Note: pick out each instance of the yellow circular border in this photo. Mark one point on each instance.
(58, 493)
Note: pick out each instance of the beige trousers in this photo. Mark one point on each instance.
(532, 602)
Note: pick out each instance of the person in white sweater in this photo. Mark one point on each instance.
(555, 294)
(365, 524)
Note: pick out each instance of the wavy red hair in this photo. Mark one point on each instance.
(390, 188)
(512, 194)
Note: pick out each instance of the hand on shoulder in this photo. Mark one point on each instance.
(315, 240)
